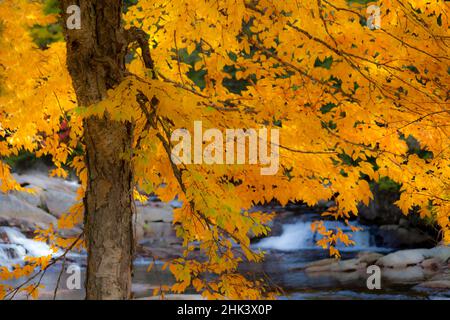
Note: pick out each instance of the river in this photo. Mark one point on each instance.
(287, 254)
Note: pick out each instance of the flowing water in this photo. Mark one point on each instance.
(15, 246)
(286, 256)
(299, 236)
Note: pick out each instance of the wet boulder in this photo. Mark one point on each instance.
(17, 212)
(403, 258)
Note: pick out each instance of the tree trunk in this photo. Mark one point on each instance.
(96, 62)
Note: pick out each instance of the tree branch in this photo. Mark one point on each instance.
(134, 34)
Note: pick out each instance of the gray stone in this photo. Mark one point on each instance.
(150, 213)
(432, 264)
(154, 222)
(412, 274)
(58, 202)
(440, 252)
(381, 210)
(44, 182)
(54, 195)
(369, 257)
(403, 258)
(342, 278)
(323, 262)
(33, 199)
(320, 265)
(348, 265)
(159, 230)
(333, 265)
(396, 236)
(435, 284)
(19, 213)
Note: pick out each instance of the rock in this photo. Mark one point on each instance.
(154, 221)
(432, 264)
(348, 265)
(53, 195)
(412, 274)
(369, 257)
(333, 265)
(276, 225)
(34, 199)
(434, 284)
(443, 275)
(323, 262)
(403, 223)
(58, 202)
(441, 252)
(396, 236)
(337, 279)
(401, 231)
(381, 209)
(151, 213)
(21, 214)
(324, 268)
(148, 249)
(403, 258)
(320, 265)
(326, 204)
(140, 290)
(160, 231)
(44, 182)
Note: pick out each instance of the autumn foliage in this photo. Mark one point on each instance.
(346, 99)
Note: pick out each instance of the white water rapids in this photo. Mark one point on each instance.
(298, 235)
(15, 246)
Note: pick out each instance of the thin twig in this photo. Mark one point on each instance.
(42, 272)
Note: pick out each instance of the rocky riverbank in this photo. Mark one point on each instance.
(53, 197)
(425, 268)
(292, 259)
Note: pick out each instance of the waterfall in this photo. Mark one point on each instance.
(298, 235)
(15, 246)
(293, 237)
(11, 254)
